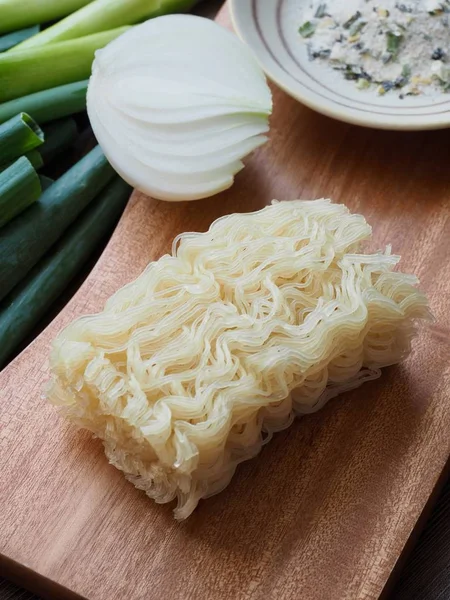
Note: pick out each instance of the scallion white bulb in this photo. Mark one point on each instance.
(176, 104)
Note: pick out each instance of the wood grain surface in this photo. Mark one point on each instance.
(324, 511)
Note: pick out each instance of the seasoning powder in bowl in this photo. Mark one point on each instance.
(378, 63)
(390, 46)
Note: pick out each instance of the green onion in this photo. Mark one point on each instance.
(16, 37)
(18, 136)
(17, 14)
(362, 84)
(33, 156)
(26, 239)
(59, 136)
(406, 71)
(356, 28)
(321, 11)
(393, 43)
(32, 298)
(350, 21)
(19, 187)
(46, 182)
(101, 15)
(307, 29)
(45, 67)
(48, 105)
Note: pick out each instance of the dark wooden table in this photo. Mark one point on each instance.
(424, 571)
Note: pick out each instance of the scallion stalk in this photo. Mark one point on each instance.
(33, 156)
(46, 182)
(18, 136)
(17, 14)
(19, 188)
(101, 15)
(31, 299)
(59, 136)
(49, 66)
(26, 239)
(10, 40)
(48, 105)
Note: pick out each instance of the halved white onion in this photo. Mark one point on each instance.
(176, 104)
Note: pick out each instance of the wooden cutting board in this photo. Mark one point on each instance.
(325, 510)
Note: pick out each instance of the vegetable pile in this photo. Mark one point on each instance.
(58, 203)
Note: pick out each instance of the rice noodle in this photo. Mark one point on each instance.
(192, 367)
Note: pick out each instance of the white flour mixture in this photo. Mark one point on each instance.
(393, 47)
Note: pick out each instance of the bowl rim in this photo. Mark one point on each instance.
(329, 108)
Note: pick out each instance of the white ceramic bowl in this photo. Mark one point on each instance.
(270, 28)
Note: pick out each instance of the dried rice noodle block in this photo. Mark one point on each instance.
(191, 368)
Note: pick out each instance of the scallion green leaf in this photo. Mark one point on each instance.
(31, 299)
(393, 43)
(101, 15)
(28, 237)
(45, 67)
(59, 136)
(17, 14)
(19, 188)
(48, 105)
(10, 40)
(33, 156)
(18, 136)
(307, 29)
(321, 11)
(46, 182)
(352, 20)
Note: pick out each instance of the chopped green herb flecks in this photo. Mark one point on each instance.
(357, 27)
(362, 84)
(352, 20)
(307, 29)
(406, 71)
(393, 42)
(321, 11)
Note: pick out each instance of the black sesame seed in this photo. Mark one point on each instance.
(400, 81)
(387, 85)
(323, 53)
(438, 54)
(403, 8)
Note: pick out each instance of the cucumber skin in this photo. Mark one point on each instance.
(27, 238)
(28, 303)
